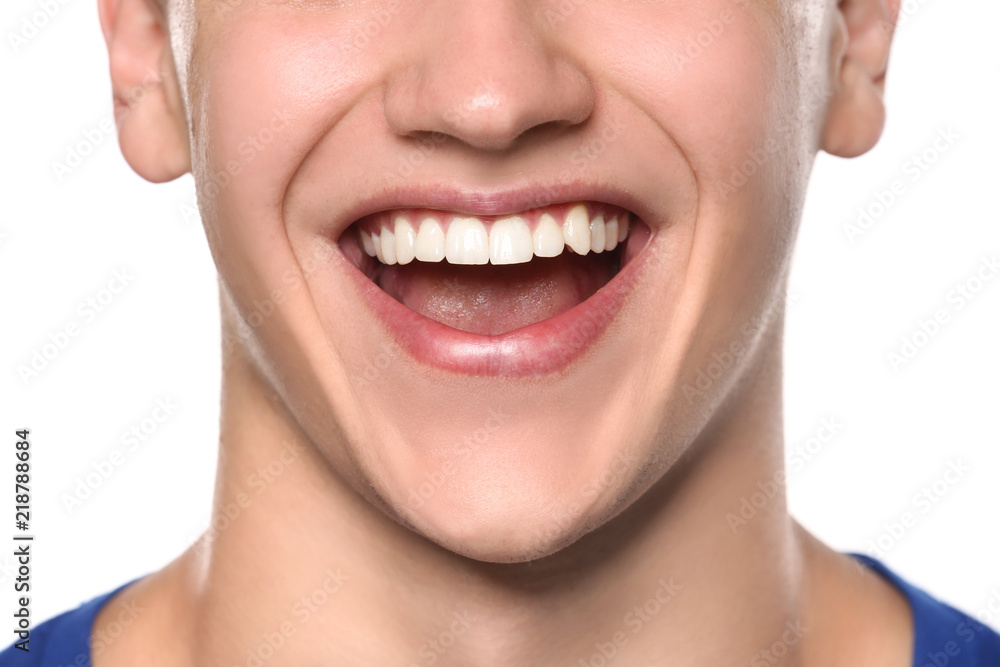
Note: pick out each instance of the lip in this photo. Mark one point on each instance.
(542, 348)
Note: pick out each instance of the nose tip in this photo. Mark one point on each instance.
(485, 75)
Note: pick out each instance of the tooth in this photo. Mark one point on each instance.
(388, 246)
(623, 228)
(610, 233)
(510, 241)
(576, 229)
(548, 237)
(597, 233)
(377, 242)
(429, 244)
(366, 243)
(405, 238)
(467, 242)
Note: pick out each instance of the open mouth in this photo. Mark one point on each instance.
(494, 275)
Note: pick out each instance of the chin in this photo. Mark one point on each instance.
(510, 499)
(506, 532)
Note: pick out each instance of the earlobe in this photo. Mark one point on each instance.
(152, 126)
(859, 55)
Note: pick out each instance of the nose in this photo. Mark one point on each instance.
(484, 72)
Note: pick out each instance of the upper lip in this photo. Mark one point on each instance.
(489, 201)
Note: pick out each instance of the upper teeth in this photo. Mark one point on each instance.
(402, 237)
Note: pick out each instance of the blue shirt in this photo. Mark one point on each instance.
(944, 636)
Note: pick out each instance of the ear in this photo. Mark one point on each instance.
(859, 55)
(152, 126)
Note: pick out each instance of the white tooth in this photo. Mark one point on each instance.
(467, 242)
(429, 244)
(597, 233)
(548, 237)
(366, 243)
(405, 238)
(611, 233)
(623, 228)
(510, 241)
(576, 229)
(388, 246)
(377, 242)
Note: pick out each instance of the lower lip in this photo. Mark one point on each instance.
(537, 349)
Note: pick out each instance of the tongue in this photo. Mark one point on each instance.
(492, 299)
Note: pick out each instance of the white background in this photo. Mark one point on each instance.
(852, 304)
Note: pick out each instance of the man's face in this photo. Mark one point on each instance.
(501, 410)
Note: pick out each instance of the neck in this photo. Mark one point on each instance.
(298, 569)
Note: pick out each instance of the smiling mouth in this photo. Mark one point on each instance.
(494, 275)
(471, 294)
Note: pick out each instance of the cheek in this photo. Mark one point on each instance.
(267, 84)
(710, 75)
(715, 79)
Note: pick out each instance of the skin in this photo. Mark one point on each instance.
(594, 484)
